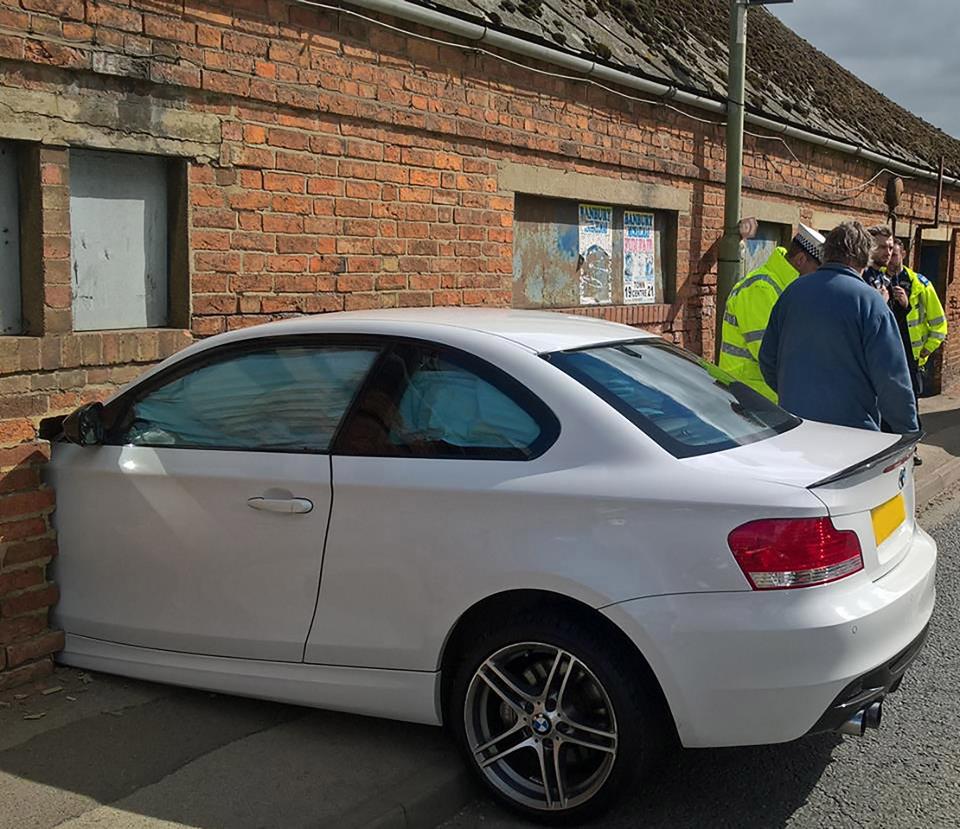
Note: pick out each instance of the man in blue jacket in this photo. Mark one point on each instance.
(832, 351)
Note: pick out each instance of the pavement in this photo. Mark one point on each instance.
(92, 751)
(940, 450)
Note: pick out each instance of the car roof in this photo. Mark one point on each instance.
(538, 331)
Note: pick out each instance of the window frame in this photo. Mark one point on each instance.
(116, 410)
(501, 380)
(666, 224)
(176, 244)
(18, 280)
(784, 235)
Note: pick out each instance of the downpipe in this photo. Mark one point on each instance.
(865, 718)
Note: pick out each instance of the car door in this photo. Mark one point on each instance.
(199, 526)
(434, 473)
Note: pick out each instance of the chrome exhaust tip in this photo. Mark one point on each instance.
(854, 726)
(863, 719)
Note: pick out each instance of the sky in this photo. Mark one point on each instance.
(907, 49)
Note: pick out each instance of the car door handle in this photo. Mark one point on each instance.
(297, 506)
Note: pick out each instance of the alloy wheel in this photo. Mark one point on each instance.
(540, 726)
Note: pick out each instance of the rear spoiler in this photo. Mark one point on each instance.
(898, 452)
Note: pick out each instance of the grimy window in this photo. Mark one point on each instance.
(119, 240)
(11, 321)
(757, 250)
(568, 254)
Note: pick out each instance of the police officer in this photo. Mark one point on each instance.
(919, 314)
(751, 301)
(876, 273)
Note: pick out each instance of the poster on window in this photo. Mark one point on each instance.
(639, 276)
(596, 254)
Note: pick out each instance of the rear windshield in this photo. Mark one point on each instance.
(685, 404)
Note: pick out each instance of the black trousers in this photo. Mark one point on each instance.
(916, 378)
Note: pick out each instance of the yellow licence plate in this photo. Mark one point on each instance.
(887, 517)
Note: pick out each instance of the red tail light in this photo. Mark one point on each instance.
(781, 553)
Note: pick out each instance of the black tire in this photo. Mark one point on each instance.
(624, 705)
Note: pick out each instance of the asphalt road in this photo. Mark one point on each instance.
(905, 775)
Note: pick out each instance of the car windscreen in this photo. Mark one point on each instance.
(684, 403)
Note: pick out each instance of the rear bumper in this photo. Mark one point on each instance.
(750, 667)
(870, 687)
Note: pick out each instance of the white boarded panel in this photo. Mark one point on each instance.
(118, 225)
(10, 313)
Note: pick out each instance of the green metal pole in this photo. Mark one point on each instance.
(729, 259)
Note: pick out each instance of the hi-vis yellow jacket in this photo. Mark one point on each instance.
(925, 318)
(746, 317)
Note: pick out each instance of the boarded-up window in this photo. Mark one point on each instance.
(768, 237)
(569, 253)
(118, 221)
(10, 304)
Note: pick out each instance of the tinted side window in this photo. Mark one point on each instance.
(275, 399)
(431, 402)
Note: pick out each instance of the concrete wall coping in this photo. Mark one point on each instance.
(535, 180)
(765, 210)
(95, 120)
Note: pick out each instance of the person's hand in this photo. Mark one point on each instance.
(924, 356)
(900, 296)
(882, 290)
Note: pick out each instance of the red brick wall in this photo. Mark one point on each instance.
(49, 372)
(351, 167)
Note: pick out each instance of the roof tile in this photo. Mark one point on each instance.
(684, 42)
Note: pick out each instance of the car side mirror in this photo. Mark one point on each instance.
(85, 425)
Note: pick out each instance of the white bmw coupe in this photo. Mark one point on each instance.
(566, 540)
